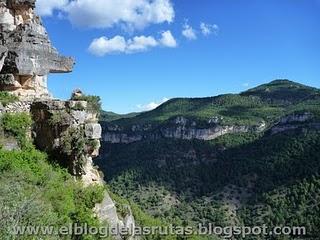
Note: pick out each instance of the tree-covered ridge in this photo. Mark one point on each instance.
(196, 181)
(268, 177)
(265, 103)
(108, 116)
(283, 92)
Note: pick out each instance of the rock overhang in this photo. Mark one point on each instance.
(26, 51)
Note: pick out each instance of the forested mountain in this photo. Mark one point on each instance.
(108, 116)
(268, 175)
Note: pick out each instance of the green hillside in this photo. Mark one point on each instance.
(111, 116)
(283, 92)
(267, 102)
(237, 179)
(34, 190)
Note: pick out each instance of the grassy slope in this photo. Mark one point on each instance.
(35, 192)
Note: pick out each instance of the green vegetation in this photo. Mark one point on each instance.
(74, 146)
(59, 118)
(291, 205)
(94, 102)
(79, 107)
(7, 98)
(186, 180)
(237, 179)
(143, 219)
(283, 92)
(17, 125)
(266, 103)
(35, 192)
(111, 116)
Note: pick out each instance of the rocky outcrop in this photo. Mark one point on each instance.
(202, 134)
(296, 118)
(295, 121)
(107, 211)
(178, 128)
(26, 53)
(17, 107)
(69, 132)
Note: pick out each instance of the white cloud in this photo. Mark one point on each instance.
(168, 40)
(152, 105)
(141, 43)
(102, 46)
(46, 7)
(118, 44)
(134, 14)
(189, 32)
(208, 29)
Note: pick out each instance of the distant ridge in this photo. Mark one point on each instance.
(267, 102)
(282, 91)
(109, 116)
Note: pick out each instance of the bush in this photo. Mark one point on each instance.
(59, 118)
(17, 124)
(94, 102)
(6, 98)
(35, 193)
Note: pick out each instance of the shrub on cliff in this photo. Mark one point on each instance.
(6, 98)
(35, 193)
(17, 124)
(94, 102)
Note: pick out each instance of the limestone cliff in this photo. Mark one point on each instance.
(67, 130)
(178, 128)
(26, 53)
(295, 121)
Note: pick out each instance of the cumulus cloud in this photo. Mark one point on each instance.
(134, 14)
(152, 105)
(103, 46)
(208, 29)
(189, 32)
(141, 43)
(168, 40)
(46, 7)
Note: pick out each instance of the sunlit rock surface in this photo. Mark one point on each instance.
(26, 53)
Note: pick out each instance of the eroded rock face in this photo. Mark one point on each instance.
(107, 211)
(296, 118)
(26, 53)
(182, 128)
(295, 121)
(70, 135)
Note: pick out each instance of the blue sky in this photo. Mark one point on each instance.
(249, 42)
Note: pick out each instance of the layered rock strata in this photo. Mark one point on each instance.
(179, 128)
(26, 53)
(303, 120)
(70, 133)
(66, 130)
